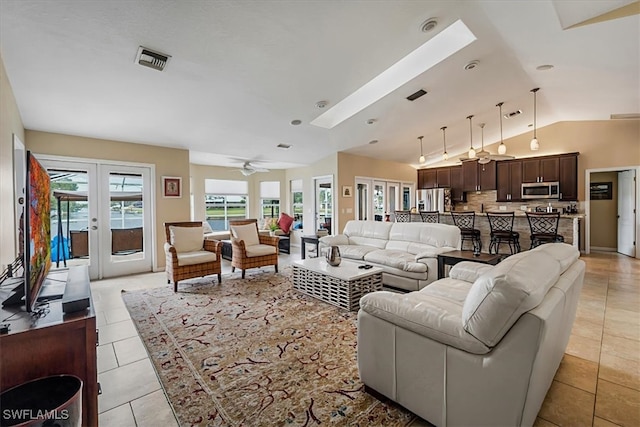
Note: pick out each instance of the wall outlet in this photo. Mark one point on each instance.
(523, 207)
(465, 208)
(503, 208)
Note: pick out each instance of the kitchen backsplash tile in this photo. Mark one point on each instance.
(486, 201)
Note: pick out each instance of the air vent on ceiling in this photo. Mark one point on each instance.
(417, 95)
(512, 114)
(284, 146)
(152, 59)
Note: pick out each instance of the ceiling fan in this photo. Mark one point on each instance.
(249, 169)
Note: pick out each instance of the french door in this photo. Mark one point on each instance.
(101, 216)
(323, 203)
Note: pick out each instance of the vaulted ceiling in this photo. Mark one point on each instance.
(241, 71)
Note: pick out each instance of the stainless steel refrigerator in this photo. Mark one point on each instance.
(435, 199)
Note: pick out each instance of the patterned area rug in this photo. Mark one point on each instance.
(256, 352)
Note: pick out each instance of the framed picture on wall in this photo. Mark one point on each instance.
(601, 191)
(347, 191)
(171, 186)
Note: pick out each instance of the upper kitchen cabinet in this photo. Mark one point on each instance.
(427, 178)
(569, 177)
(443, 176)
(457, 184)
(541, 169)
(479, 177)
(509, 181)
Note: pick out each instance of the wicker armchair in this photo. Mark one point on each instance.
(263, 252)
(188, 264)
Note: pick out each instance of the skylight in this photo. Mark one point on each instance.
(441, 46)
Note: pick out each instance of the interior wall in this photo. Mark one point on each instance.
(167, 161)
(10, 124)
(604, 213)
(350, 166)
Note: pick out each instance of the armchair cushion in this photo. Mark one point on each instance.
(186, 239)
(197, 257)
(285, 222)
(260, 250)
(246, 232)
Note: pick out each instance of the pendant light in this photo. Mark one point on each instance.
(502, 149)
(472, 152)
(421, 159)
(483, 156)
(445, 155)
(534, 145)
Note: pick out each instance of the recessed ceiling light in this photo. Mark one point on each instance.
(296, 122)
(428, 25)
(471, 65)
(544, 67)
(373, 141)
(284, 146)
(512, 114)
(321, 104)
(441, 46)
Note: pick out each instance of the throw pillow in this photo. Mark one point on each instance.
(285, 222)
(186, 239)
(247, 232)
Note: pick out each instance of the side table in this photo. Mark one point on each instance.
(311, 239)
(454, 257)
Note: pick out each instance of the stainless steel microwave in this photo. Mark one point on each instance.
(541, 190)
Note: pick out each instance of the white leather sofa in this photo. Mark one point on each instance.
(479, 348)
(406, 251)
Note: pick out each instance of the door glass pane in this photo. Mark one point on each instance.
(324, 206)
(406, 198)
(362, 198)
(69, 217)
(126, 216)
(378, 202)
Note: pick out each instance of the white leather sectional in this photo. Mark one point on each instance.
(480, 347)
(407, 252)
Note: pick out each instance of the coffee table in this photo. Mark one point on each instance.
(454, 257)
(342, 286)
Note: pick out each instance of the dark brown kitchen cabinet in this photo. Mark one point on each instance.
(509, 181)
(479, 177)
(541, 169)
(443, 177)
(427, 178)
(457, 182)
(569, 177)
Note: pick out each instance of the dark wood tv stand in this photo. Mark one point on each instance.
(54, 344)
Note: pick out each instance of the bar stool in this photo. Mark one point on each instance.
(501, 225)
(465, 221)
(544, 228)
(430, 216)
(403, 216)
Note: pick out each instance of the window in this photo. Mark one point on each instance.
(225, 200)
(297, 207)
(270, 199)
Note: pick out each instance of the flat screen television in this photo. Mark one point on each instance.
(36, 241)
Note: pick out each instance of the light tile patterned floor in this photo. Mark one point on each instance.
(598, 382)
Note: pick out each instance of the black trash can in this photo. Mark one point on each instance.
(54, 401)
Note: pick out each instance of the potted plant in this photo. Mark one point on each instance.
(273, 226)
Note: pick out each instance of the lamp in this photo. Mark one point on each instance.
(502, 149)
(534, 145)
(484, 156)
(445, 155)
(421, 159)
(472, 152)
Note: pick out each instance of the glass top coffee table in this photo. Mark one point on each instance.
(342, 286)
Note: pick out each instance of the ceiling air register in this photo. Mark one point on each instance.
(152, 59)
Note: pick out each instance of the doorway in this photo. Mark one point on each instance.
(101, 216)
(323, 201)
(611, 206)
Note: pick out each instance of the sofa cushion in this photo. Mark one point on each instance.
(196, 257)
(355, 251)
(418, 237)
(469, 271)
(370, 233)
(246, 232)
(186, 239)
(433, 312)
(499, 297)
(285, 222)
(397, 259)
(564, 253)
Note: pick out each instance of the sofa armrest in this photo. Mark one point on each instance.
(336, 240)
(469, 271)
(433, 253)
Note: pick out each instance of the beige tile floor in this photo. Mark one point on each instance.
(597, 384)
